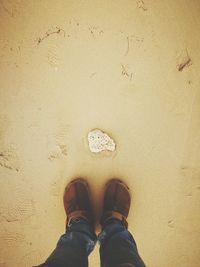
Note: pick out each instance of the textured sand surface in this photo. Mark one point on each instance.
(130, 68)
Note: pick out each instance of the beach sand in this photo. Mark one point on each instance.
(129, 68)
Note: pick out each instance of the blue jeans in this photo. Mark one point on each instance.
(117, 246)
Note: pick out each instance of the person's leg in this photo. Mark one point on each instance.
(117, 246)
(79, 240)
(74, 246)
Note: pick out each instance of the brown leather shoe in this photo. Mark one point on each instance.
(117, 202)
(77, 201)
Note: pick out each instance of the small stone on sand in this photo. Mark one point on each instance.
(100, 141)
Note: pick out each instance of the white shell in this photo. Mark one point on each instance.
(100, 141)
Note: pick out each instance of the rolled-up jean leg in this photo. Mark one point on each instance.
(117, 246)
(74, 247)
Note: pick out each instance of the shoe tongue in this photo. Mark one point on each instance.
(77, 215)
(114, 215)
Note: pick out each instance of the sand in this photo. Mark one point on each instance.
(129, 68)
